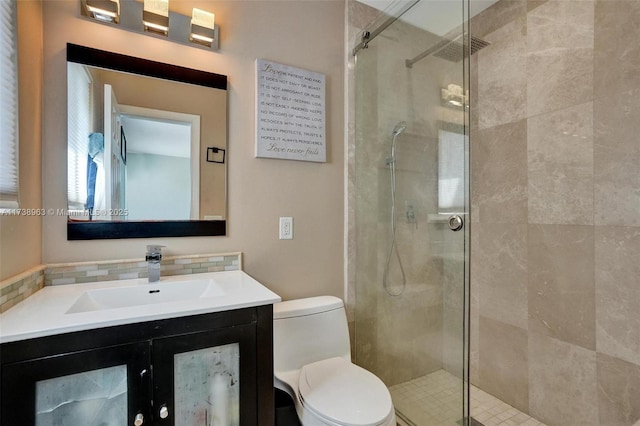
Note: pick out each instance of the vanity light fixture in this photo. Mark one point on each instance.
(155, 16)
(202, 27)
(103, 10)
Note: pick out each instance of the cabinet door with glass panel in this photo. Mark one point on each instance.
(102, 387)
(206, 378)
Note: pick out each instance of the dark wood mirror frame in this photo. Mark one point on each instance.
(81, 230)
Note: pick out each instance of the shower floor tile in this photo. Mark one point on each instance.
(436, 400)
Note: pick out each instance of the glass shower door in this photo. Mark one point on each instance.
(410, 230)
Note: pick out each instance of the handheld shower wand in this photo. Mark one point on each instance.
(391, 162)
(400, 127)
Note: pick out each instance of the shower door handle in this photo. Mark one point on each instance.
(455, 223)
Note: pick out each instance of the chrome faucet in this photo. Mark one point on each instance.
(153, 258)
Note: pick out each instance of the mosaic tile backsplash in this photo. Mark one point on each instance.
(18, 288)
(21, 286)
(76, 273)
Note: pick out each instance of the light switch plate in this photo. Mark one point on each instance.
(286, 228)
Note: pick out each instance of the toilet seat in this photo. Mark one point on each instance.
(339, 392)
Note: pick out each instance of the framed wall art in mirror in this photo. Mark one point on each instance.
(138, 136)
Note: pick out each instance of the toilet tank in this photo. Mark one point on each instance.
(309, 330)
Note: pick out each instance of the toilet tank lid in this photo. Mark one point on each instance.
(307, 306)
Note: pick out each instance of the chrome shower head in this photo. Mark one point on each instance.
(400, 127)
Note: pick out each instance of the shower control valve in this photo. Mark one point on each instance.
(410, 212)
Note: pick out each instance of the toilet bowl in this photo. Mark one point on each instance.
(312, 363)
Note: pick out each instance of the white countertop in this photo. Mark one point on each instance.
(46, 312)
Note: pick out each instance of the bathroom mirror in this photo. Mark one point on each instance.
(146, 148)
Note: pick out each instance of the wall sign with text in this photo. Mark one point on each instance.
(290, 113)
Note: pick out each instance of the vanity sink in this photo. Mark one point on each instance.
(145, 294)
(67, 308)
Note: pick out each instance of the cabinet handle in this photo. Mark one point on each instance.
(139, 420)
(164, 412)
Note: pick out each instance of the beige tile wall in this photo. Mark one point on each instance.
(555, 268)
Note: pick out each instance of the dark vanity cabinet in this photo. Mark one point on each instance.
(210, 369)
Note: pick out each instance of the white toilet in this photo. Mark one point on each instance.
(312, 363)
